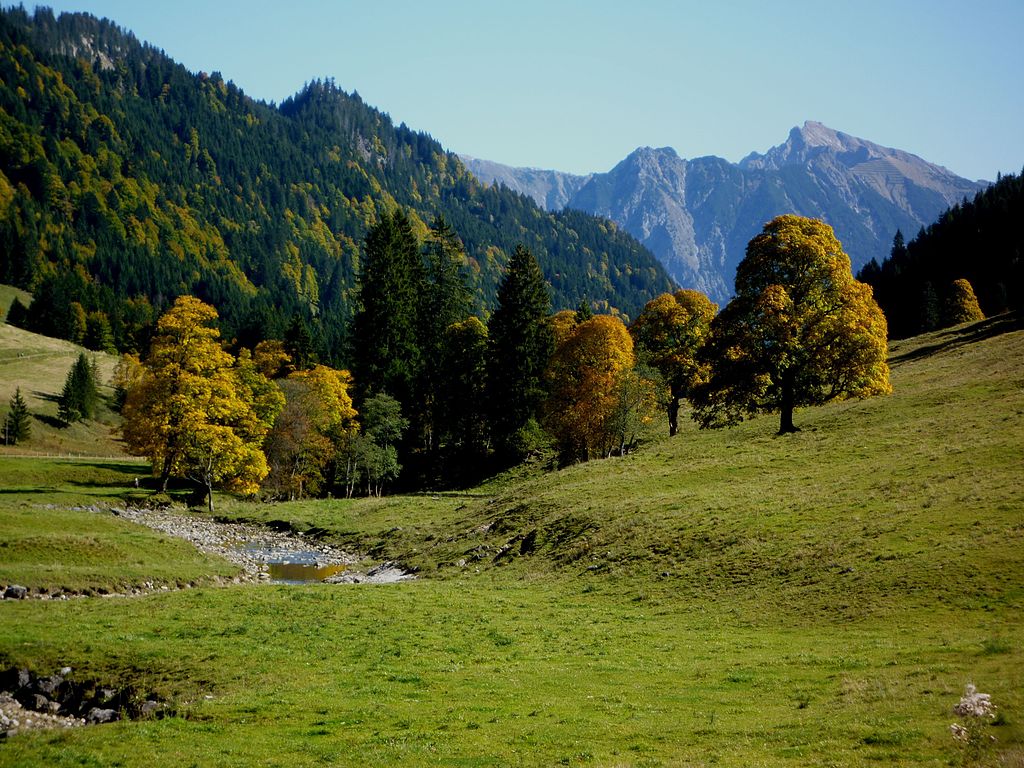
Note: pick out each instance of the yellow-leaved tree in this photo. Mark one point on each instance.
(800, 331)
(316, 423)
(586, 377)
(196, 412)
(669, 332)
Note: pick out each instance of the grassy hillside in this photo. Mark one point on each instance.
(872, 504)
(7, 295)
(39, 366)
(721, 598)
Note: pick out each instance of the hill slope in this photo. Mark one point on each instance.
(38, 365)
(126, 180)
(862, 512)
(698, 215)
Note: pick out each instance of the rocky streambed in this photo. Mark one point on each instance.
(265, 554)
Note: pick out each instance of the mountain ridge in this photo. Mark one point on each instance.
(697, 215)
(127, 180)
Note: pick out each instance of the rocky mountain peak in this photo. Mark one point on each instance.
(697, 215)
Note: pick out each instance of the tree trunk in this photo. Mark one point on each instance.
(165, 475)
(673, 415)
(786, 404)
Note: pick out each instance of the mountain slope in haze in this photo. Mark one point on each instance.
(552, 190)
(698, 215)
(126, 180)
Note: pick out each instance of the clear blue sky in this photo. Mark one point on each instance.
(578, 84)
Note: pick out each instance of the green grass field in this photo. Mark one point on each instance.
(721, 598)
(39, 365)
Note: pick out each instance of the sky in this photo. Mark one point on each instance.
(576, 85)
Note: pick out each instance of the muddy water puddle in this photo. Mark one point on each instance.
(289, 566)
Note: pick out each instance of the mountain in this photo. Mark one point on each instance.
(551, 190)
(698, 215)
(126, 180)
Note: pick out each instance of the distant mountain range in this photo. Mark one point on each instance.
(698, 215)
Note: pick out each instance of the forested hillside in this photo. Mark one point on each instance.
(980, 241)
(126, 180)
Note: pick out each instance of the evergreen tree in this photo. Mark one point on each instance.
(298, 344)
(521, 342)
(80, 396)
(929, 307)
(17, 425)
(447, 301)
(386, 356)
(17, 314)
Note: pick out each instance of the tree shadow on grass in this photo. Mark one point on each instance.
(961, 336)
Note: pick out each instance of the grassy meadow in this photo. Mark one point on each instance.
(726, 598)
(39, 365)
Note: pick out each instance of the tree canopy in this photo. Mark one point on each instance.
(586, 375)
(800, 331)
(194, 413)
(669, 332)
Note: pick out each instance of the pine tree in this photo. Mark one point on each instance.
(80, 396)
(521, 342)
(17, 424)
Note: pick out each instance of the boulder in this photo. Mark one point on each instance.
(97, 715)
(15, 592)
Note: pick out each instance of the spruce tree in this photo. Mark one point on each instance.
(521, 342)
(447, 300)
(80, 396)
(17, 424)
(386, 356)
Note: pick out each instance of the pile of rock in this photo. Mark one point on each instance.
(30, 701)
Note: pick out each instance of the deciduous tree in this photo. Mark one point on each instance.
(462, 404)
(669, 332)
(196, 414)
(800, 331)
(587, 380)
(316, 422)
(963, 304)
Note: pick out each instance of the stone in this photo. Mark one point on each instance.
(150, 707)
(49, 685)
(15, 592)
(97, 715)
(40, 703)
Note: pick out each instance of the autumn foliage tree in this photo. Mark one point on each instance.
(800, 331)
(962, 306)
(586, 376)
(195, 412)
(315, 424)
(668, 333)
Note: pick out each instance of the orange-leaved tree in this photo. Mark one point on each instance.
(315, 425)
(800, 331)
(195, 413)
(584, 375)
(668, 333)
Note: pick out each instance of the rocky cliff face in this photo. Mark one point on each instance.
(698, 215)
(549, 189)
